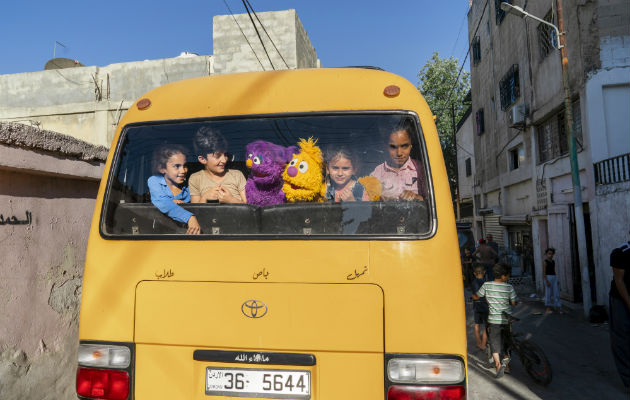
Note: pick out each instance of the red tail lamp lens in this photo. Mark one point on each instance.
(426, 393)
(103, 384)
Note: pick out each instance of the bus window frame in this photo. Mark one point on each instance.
(431, 206)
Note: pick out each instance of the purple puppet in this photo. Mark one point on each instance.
(267, 162)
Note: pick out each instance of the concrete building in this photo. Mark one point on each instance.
(87, 102)
(522, 186)
(465, 170)
(49, 182)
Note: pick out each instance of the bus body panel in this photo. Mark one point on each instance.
(285, 316)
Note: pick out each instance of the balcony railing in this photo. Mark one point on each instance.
(612, 170)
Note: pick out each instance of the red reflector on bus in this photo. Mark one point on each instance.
(426, 393)
(391, 91)
(103, 384)
(143, 104)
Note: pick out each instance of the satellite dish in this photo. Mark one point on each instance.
(60, 63)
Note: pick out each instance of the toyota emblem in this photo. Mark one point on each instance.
(254, 309)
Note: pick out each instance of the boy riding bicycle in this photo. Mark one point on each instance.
(500, 295)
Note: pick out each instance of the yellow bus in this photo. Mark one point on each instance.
(352, 293)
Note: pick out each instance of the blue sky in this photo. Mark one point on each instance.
(398, 36)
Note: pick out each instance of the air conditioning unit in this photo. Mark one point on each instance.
(517, 115)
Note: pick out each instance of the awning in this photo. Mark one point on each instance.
(522, 219)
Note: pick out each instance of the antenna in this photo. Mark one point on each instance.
(55, 48)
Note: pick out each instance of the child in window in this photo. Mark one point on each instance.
(215, 182)
(342, 185)
(402, 176)
(167, 187)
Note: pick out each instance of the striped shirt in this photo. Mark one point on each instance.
(499, 295)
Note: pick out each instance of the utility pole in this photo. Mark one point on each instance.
(575, 171)
(457, 198)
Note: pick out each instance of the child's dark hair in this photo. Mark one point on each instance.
(406, 124)
(333, 152)
(479, 269)
(209, 141)
(501, 269)
(163, 153)
(550, 249)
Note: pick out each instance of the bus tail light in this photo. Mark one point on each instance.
(425, 377)
(105, 370)
(426, 370)
(102, 383)
(398, 392)
(104, 356)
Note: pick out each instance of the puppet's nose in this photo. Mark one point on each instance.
(291, 171)
(248, 163)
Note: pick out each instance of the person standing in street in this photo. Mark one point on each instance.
(467, 266)
(486, 256)
(619, 302)
(552, 294)
(494, 245)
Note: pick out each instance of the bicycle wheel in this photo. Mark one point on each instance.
(535, 362)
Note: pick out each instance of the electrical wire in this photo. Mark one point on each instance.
(467, 53)
(245, 36)
(461, 25)
(258, 34)
(267, 33)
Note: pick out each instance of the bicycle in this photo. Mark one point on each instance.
(531, 355)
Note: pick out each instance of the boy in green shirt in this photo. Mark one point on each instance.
(500, 296)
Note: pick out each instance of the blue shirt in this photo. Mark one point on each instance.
(162, 198)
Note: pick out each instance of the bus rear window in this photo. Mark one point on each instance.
(271, 177)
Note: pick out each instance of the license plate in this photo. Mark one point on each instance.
(266, 383)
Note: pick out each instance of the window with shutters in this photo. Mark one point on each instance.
(476, 50)
(479, 122)
(510, 88)
(499, 13)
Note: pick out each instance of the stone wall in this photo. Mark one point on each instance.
(237, 47)
(88, 102)
(48, 183)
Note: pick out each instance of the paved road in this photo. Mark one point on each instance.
(579, 353)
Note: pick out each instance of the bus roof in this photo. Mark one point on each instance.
(273, 92)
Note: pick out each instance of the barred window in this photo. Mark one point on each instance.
(476, 50)
(546, 36)
(552, 134)
(510, 88)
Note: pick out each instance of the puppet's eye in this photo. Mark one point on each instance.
(303, 167)
(293, 162)
(257, 160)
(249, 155)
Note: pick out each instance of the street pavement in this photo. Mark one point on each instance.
(579, 353)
